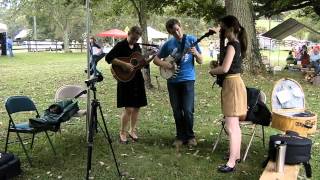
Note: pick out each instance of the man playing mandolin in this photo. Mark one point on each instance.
(181, 86)
(130, 94)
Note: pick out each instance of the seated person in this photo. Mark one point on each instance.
(315, 60)
(305, 58)
(290, 60)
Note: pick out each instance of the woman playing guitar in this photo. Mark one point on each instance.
(131, 94)
(233, 93)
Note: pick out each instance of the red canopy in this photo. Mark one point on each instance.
(115, 33)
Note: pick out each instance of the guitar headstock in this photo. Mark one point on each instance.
(209, 33)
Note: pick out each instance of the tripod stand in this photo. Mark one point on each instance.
(93, 122)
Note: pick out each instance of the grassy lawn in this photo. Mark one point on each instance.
(39, 75)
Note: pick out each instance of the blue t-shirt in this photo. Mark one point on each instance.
(172, 47)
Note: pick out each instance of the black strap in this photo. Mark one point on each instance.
(183, 42)
(265, 162)
(308, 169)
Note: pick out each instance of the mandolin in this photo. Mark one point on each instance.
(137, 60)
(220, 77)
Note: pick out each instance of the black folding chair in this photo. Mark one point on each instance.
(17, 104)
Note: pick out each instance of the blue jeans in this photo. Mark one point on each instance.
(9, 51)
(93, 64)
(182, 102)
(316, 66)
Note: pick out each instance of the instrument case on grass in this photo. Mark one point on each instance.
(288, 108)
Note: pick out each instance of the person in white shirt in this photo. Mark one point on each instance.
(315, 59)
(96, 54)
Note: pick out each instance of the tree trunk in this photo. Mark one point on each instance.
(243, 10)
(66, 37)
(143, 23)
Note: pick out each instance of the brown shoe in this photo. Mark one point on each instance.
(133, 135)
(192, 142)
(123, 137)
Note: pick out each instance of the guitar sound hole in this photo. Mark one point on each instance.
(134, 62)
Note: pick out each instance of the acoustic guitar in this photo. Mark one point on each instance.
(173, 72)
(137, 60)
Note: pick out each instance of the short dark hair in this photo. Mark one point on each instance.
(91, 37)
(136, 30)
(171, 22)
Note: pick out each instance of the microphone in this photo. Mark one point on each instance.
(80, 94)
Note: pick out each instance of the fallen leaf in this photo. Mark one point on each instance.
(196, 153)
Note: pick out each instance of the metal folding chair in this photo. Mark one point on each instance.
(244, 123)
(14, 106)
(69, 92)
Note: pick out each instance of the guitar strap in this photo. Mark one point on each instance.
(183, 42)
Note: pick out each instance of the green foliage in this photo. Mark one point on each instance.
(53, 17)
(269, 8)
(45, 28)
(208, 9)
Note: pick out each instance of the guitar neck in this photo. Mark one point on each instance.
(198, 40)
(146, 58)
(222, 49)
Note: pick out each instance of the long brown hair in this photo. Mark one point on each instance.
(232, 22)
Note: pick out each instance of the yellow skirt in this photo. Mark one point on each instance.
(233, 96)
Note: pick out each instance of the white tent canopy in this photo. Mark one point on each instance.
(3, 28)
(291, 38)
(155, 34)
(22, 34)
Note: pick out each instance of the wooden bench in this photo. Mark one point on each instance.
(290, 172)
